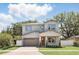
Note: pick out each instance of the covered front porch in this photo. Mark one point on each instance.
(49, 38)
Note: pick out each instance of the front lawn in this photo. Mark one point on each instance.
(7, 49)
(62, 51)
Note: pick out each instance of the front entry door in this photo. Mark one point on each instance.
(42, 41)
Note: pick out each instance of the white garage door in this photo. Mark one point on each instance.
(30, 42)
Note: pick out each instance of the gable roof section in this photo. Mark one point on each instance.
(32, 24)
(31, 35)
(50, 33)
(50, 21)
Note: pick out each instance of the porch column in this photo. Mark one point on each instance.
(45, 41)
(39, 40)
(22, 40)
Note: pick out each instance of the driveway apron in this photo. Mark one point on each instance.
(25, 51)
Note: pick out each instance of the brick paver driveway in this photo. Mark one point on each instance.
(25, 51)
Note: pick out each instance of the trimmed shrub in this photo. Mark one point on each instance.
(76, 44)
(53, 46)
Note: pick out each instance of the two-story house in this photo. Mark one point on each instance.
(40, 34)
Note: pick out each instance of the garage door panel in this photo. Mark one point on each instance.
(30, 42)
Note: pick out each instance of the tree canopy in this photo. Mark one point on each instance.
(69, 23)
(5, 39)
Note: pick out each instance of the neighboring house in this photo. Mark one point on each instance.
(75, 40)
(40, 34)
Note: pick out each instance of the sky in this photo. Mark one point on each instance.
(12, 12)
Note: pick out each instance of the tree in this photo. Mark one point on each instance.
(18, 38)
(5, 39)
(69, 23)
(16, 29)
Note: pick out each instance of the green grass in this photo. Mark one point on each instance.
(49, 52)
(64, 48)
(1, 51)
(7, 49)
(60, 53)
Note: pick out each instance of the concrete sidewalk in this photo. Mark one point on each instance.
(62, 50)
(25, 51)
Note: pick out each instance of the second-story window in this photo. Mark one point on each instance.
(42, 27)
(29, 28)
(51, 27)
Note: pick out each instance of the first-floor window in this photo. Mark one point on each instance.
(51, 40)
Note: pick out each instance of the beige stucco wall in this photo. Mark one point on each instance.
(51, 22)
(37, 27)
